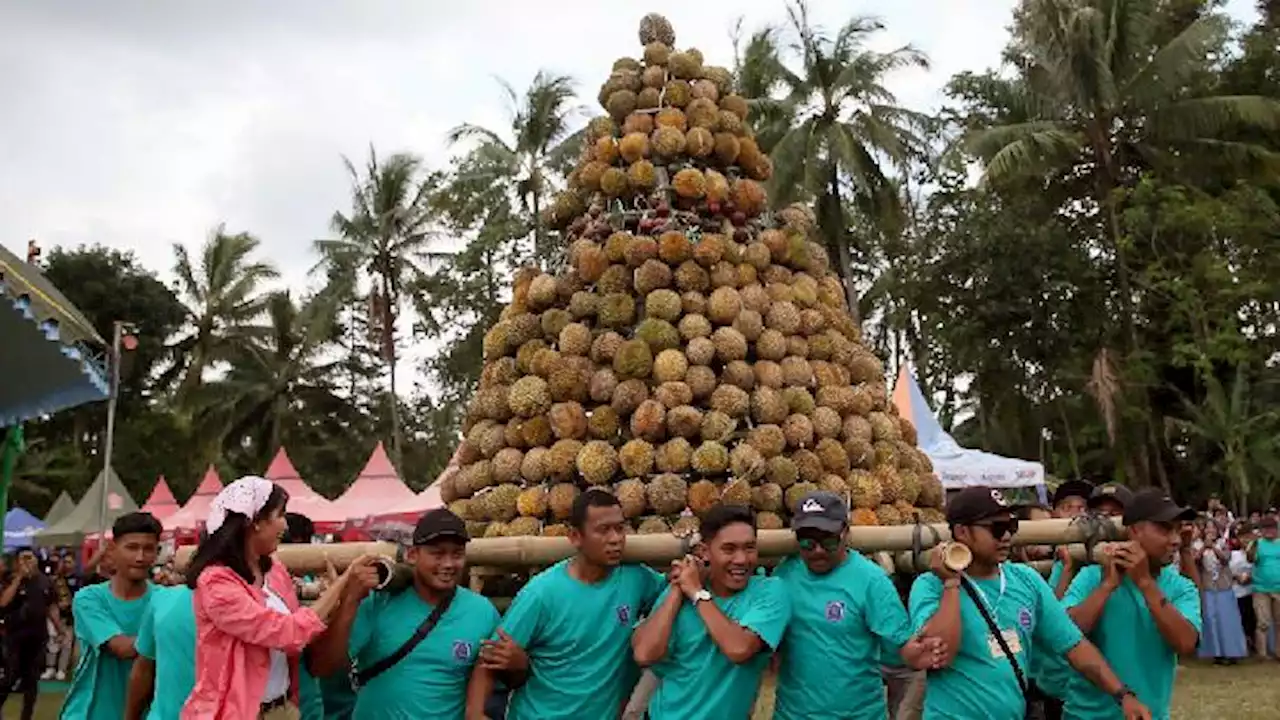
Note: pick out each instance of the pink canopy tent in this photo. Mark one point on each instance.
(192, 515)
(161, 503)
(428, 499)
(377, 491)
(302, 499)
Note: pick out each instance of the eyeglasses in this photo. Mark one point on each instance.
(829, 544)
(1000, 528)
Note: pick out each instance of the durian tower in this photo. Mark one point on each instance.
(695, 349)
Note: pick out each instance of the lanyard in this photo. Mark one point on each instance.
(993, 609)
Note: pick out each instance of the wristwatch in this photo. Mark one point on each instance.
(702, 595)
(951, 582)
(1122, 693)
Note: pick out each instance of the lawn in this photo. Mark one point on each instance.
(1247, 692)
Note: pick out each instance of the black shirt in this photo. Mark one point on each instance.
(29, 611)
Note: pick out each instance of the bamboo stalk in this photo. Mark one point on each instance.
(523, 552)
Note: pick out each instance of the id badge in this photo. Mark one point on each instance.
(1010, 638)
(993, 646)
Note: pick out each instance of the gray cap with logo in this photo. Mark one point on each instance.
(822, 511)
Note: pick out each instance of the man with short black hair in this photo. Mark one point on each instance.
(1264, 553)
(1110, 499)
(433, 627)
(29, 606)
(107, 619)
(1137, 608)
(565, 640)
(844, 610)
(989, 617)
(713, 630)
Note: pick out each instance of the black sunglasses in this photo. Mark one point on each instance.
(1000, 528)
(830, 544)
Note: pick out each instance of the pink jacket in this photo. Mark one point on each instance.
(235, 633)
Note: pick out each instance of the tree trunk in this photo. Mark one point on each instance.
(837, 232)
(395, 409)
(539, 241)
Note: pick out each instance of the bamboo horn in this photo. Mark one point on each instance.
(523, 552)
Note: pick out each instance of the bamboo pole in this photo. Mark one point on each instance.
(524, 552)
(904, 562)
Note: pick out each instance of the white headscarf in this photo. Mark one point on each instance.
(246, 496)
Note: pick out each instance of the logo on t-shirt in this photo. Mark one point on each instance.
(624, 614)
(1025, 618)
(835, 611)
(461, 650)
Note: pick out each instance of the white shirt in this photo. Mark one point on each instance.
(1240, 565)
(278, 680)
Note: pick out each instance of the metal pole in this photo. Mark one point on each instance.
(117, 330)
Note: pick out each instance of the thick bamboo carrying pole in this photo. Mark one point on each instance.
(905, 541)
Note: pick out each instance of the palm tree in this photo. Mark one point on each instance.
(538, 146)
(833, 126)
(1242, 434)
(385, 240)
(1100, 96)
(278, 379)
(223, 296)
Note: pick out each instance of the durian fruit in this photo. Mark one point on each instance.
(690, 337)
(667, 494)
(864, 517)
(768, 520)
(555, 530)
(652, 525)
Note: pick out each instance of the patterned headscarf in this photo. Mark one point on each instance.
(246, 496)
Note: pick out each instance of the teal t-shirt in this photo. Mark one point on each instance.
(310, 700)
(102, 679)
(697, 681)
(434, 675)
(1266, 568)
(980, 683)
(840, 623)
(1128, 638)
(168, 636)
(578, 639)
(1051, 672)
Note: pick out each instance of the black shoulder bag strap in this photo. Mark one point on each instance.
(999, 635)
(362, 677)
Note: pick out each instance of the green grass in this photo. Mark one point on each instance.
(1245, 692)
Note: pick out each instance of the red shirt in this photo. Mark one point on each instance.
(235, 634)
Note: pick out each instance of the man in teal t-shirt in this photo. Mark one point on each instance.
(431, 680)
(572, 624)
(1265, 556)
(165, 669)
(979, 680)
(844, 612)
(108, 617)
(1137, 609)
(712, 632)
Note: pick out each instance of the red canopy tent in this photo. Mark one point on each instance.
(161, 503)
(187, 521)
(302, 499)
(377, 491)
(428, 499)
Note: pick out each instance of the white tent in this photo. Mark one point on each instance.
(959, 467)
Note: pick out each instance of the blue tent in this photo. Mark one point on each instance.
(20, 528)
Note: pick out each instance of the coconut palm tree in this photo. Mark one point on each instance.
(835, 130)
(538, 146)
(1107, 90)
(278, 380)
(223, 295)
(385, 242)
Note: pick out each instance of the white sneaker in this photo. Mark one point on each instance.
(61, 676)
(48, 674)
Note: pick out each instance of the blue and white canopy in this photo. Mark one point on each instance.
(47, 362)
(20, 528)
(959, 467)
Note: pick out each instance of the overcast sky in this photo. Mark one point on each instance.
(140, 124)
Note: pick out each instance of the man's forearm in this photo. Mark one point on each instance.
(328, 654)
(1180, 634)
(1086, 659)
(1086, 614)
(1064, 582)
(478, 690)
(141, 687)
(945, 623)
(649, 641)
(735, 642)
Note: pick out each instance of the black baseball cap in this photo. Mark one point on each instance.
(976, 504)
(1072, 488)
(822, 511)
(437, 524)
(1155, 505)
(1111, 491)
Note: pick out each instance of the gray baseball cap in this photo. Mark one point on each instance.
(822, 511)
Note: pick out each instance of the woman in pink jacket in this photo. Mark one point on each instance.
(250, 630)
